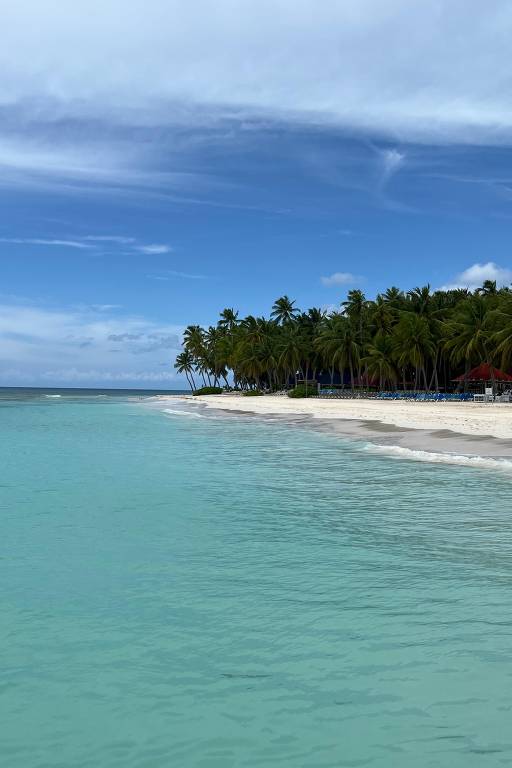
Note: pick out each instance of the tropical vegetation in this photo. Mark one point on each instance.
(419, 339)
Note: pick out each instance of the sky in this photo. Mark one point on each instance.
(162, 160)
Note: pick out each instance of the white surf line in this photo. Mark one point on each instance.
(175, 412)
(477, 462)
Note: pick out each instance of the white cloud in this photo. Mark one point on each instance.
(474, 276)
(90, 344)
(117, 239)
(340, 278)
(41, 241)
(105, 307)
(406, 69)
(153, 249)
(52, 157)
(392, 160)
(169, 273)
(93, 242)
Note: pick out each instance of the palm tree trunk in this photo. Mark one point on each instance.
(466, 373)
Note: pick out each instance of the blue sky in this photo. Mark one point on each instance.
(159, 163)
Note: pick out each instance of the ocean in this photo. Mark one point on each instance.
(184, 588)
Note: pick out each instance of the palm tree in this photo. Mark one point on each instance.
(413, 345)
(500, 325)
(291, 350)
(488, 288)
(228, 318)
(184, 363)
(394, 296)
(327, 343)
(421, 299)
(382, 316)
(284, 310)
(420, 333)
(354, 308)
(380, 361)
(337, 342)
(194, 342)
(467, 334)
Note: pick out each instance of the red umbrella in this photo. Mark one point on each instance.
(484, 372)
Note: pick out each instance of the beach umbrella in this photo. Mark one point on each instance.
(484, 372)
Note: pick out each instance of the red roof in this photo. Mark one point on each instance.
(485, 372)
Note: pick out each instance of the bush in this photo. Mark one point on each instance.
(252, 393)
(209, 391)
(303, 391)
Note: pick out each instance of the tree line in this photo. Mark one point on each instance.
(419, 339)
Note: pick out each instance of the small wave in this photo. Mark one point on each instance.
(478, 462)
(182, 413)
(53, 395)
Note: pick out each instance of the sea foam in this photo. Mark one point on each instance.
(477, 462)
(174, 412)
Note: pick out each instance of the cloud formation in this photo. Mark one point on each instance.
(391, 160)
(473, 277)
(355, 63)
(170, 273)
(93, 242)
(340, 278)
(41, 241)
(87, 345)
(153, 249)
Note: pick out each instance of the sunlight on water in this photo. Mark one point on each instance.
(225, 592)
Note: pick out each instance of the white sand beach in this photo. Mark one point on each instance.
(471, 419)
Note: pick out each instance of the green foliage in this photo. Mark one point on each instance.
(209, 391)
(409, 339)
(252, 393)
(301, 390)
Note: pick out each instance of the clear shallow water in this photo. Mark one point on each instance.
(215, 592)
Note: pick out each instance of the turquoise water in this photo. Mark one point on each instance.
(216, 592)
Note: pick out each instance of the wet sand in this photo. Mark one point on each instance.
(468, 429)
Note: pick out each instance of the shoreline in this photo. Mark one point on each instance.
(464, 429)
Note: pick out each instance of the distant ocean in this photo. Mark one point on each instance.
(36, 393)
(187, 589)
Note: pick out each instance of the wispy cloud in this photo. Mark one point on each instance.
(41, 241)
(143, 127)
(391, 161)
(105, 307)
(118, 239)
(91, 242)
(331, 65)
(474, 276)
(153, 248)
(169, 273)
(340, 278)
